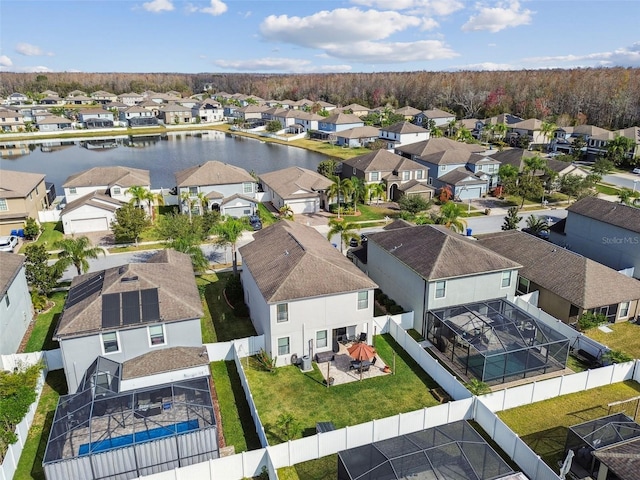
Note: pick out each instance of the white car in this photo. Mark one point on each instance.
(636, 171)
(8, 243)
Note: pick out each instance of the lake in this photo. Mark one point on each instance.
(162, 155)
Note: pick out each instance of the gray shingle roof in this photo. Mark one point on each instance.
(616, 214)
(164, 360)
(94, 199)
(622, 458)
(290, 261)
(435, 252)
(99, 176)
(404, 127)
(342, 118)
(10, 265)
(359, 132)
(513, 156)
(451, 157)
(382, 161)
(18, 184)
(461, 176)
(212, 173)
(295, 182)
(579, 280)
(168, 271)
(439, 144)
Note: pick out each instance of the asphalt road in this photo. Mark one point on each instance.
(623, 180)
(493, 223)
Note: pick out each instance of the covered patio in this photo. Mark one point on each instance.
(342, 367)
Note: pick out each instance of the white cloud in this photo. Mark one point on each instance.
(336, 27)
(29, 50)
(623, 57)
(392, 52)
(272, 64)
(429, 7)
(216, 8)
(489, 66)
(157, 6)
(5, 61)
(502, 16)
(29, 69)
(429, 24)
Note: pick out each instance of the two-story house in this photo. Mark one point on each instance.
(597, 144)
(217, 186)
(137, 116)
(603, 231)
(11, 120)
(307, 121)
(439, 117)
(208, 111)
(336, 123)
(16, 309)
(22, 195)
(103, 97)
(95, 118)
(302, 293)
(174, 114)
(357, 136)
(302, 190)
(17, 98)
(403, 133)
(530, 129)
(111, 181)
(130, 98)
(400, 175)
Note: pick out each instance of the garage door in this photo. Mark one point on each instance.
(470, 192)
(308, 206)
(89, 225)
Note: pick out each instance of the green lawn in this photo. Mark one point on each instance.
(51, 233)
(544, 425)
(149, 246)
(45, 324)
(370, 212)
(325, 468)
(305, 396)
(30, 464)
(266, 216)
(625, 337)
(237, 424)
(219, 324)
(607, 190)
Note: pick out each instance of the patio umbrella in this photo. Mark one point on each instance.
(361, 351)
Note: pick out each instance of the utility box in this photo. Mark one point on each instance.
(305, 366)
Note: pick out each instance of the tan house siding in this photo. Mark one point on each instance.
(18, 209)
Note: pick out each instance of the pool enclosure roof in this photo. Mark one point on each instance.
(497, 327)
(606, 431)
(99, 418)
(449, 452)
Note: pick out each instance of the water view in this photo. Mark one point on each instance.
(162, 155)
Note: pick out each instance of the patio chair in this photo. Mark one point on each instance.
(373, 362)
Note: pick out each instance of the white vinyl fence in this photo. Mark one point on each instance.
(245, 347)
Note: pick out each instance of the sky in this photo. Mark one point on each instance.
(310, 36)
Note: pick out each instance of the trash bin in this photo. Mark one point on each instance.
(469, 231)
(305, 366)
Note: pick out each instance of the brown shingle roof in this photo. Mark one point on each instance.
(342, 118)
(579, 280)
(295, 182)
(290, 261)
(622, 458)
(10, 265)
(460, 176)
(168, 271)
(164, 360)
(359, 132)
(404, 127)
(439, 144)
(18, 184)
(98, 176)
(212, 173)
(435, 252)
(451, 157)
(94, 199)
(407, 111)
(382, 161)
(616, 214)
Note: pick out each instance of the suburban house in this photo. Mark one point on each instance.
(16, 310)
(603, 231)
(79, 99)
(403, 133)
(564, 137)
(111, 181)
(407, 112)
(308, 121)
(92, 212)
(103, 97)
(439, 117)
(51, 100)
(22, 195)
(130, 98)
(217, 186)
(11, 120)
(517, 157)
(287, 117)
(137, 116)
(357, 136)
(434, 145)
(597, 144)
(17, 98)
(400, 175)
(250, 112)
(304, 296)
(95, 118)
(530, 128)
(336, 123)
(53, 123)
(568, 284)
(124, 312)
(208, 111)
(356, 109)
(175, 114)
(429, 267)
(304, 191)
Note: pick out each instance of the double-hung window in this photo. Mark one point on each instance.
(321, 339)
(156, 335)
(363, 300)
(283, 313)
(283, 346)
(441, 289)
(506, 279)
(110, 342)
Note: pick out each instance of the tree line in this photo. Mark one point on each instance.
(607, 97)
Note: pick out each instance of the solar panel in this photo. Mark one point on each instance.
(111, 310)
(131, 307)
(150, 305)
(85, 289)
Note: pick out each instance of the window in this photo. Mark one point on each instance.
(523, 286)
(73, 190)
(3, 205)
(193, 191)
(374, 176)
(506, 279)
(283, 313)
(283, 346)
(624, 310)
(441, 289)
(354, 170)
(321, 339)
(156, 335)
(406, 176)
(419, 174)
(443, 168)
(115, 191)
(363, 300)
(110, 342)
(247, 187)
(36, 190)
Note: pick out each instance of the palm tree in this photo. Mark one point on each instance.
(537, 225)
(286, 212)
(340, 188)
(451, 128)
(500, 129)
(185, 198)
(190, 246)
(450, 214)
(76, 252)
(464, 135)
(358, 191)
(547, 129)
(346, 230)
(203, 202)
(228, 233)
(138, 195)
(378, 190)
(154, 198)
(628, 197)
(618, 149)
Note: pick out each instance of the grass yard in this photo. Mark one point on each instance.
(45, 324)
(544, 425)
(370, 212)
(625, 337)
(308, 400)
(237, 424)
(607, 190)
(219, 324)
(133, 248)
(325, 468)
(51, 233)
(30, 464)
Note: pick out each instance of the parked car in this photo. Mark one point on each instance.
(353, 242)
(255, 222)
(8, 243)
(636, 171)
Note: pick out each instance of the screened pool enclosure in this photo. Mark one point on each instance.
(496, 342)
(102, 433)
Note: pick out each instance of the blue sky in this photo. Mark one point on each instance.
(305, 36)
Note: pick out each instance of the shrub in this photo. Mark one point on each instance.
(591, 320)
(267, 362)
(616, 356)
(382, 298)
(31, 229)
(241, 310)
(395, 309)
(389, 302)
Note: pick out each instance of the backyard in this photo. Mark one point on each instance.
(624, 337)
(40, 336)
(544, 425)
(305, 397)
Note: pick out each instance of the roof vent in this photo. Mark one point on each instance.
(286, 252)
(129, 279)
(122, 269)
